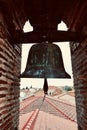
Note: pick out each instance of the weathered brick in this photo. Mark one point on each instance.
(10, 62)
(79, 65)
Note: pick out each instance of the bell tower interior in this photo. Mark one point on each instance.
(44, 16)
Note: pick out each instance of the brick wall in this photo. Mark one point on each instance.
(10, 62)
(79, 64)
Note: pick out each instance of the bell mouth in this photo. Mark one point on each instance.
(40, 72)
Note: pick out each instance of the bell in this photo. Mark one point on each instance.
(45, 61)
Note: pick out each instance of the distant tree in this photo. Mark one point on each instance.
(67, 88)
(26, 87)
(50, 93)
(30, 86)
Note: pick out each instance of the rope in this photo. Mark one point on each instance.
(42, 101)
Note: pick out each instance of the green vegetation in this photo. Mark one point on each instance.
(30, 86)
(67, 88)
(27, 87)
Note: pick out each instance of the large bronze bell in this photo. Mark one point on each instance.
(45, 61)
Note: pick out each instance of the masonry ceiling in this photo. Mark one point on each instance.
(44, 14)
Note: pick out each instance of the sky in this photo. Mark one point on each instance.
(38, 82)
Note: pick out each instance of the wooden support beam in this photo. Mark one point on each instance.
(52, 36)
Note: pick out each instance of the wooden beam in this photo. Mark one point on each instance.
(52, 36)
